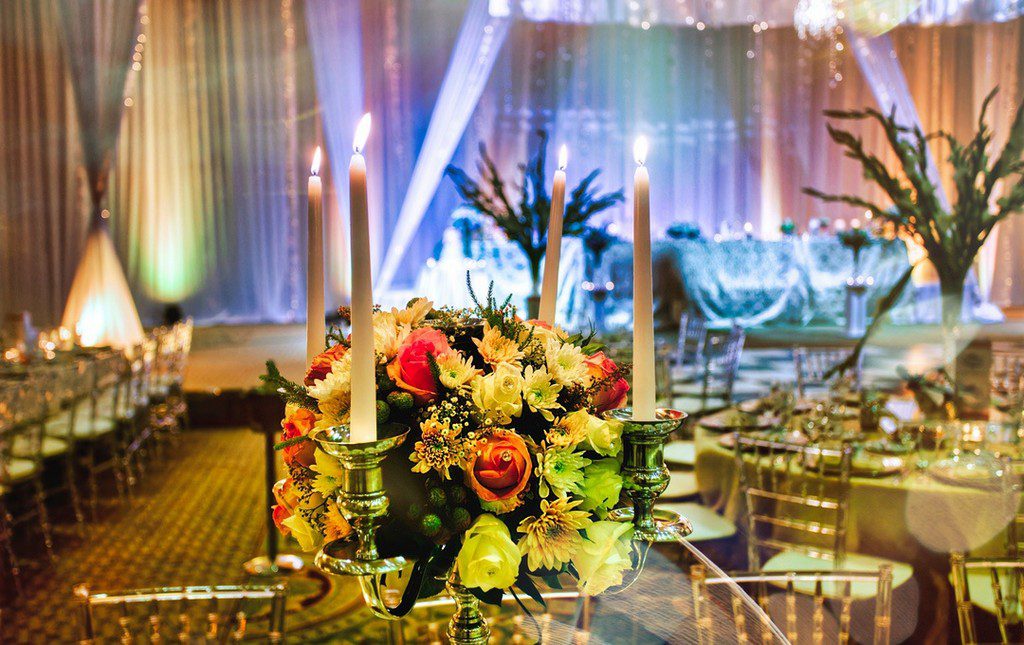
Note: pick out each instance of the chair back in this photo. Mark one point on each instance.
(184, 614)
(812, 364)
(831, 585)
(721, 362)
(1007, 580)
(693, 332)
(797, 497)
(23, 409)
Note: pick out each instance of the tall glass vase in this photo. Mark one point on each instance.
(953, 341)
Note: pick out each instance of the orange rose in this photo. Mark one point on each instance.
(298, 423)
(321, 365)
(410, 369)
(499, 470)
(612, 393)
(287, 501)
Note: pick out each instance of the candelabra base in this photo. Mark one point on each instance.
(669, 526)
(281, 565)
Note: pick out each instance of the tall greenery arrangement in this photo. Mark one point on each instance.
(952, 238)
(524, 217)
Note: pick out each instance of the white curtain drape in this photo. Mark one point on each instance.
(479, 44)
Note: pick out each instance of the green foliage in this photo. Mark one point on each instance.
(951, 238)
(274, 381)
(525, 220)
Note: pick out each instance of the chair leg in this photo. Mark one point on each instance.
(44, 518)
(94, 487)
(76, 499)
(115, 465)
(6, 537)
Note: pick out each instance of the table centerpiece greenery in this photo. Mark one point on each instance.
(524, 219)
(988, 190)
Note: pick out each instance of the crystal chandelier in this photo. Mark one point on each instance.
(816, 19)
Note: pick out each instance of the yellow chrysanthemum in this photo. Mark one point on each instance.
(566, 363)
(540, 393)
(568, 431)
(414, 313)
(495, 348)
(552, 538)
(335, 524)
(454, 370)
(440, 448)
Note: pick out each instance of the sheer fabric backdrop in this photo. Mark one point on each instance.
(211, 166)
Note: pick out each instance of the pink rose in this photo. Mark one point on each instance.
(410, 369)
(611, 387)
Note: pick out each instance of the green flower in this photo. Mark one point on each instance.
(605, 437)
(603, 556)
(488, 559)
(560, 470)
(601, 486)
(540, 393)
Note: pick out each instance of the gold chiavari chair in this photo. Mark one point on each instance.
(719, 364)
(832, 588)
(22, 410)
(798, 503)
(99, 431)
(689, 347)
(61, 392)
(184, 614)
(812, 364)
(1006, 579)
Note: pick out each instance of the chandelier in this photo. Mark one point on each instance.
(817, 19)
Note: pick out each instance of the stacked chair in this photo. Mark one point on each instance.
(84, 419)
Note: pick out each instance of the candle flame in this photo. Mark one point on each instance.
(563, 157)
(640, 150)
(362, 133)
(314, 168)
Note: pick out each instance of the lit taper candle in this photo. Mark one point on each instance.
(549, 288)
(643, 299)
(315, 327)
(364, 374)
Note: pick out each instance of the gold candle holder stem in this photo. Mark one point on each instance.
(363, 501)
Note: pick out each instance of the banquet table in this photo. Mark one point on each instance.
(907, 515)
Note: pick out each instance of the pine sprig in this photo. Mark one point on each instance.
(294, 393)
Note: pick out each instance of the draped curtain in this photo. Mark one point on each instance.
(208, 181)
(210, 171)
(43, 216)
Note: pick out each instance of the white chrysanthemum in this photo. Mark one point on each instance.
(454, 370)
(334, 393)
(388, 335)
(566, 363)
(540, 393)
(413, 314)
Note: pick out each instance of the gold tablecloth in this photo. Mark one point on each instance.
(907, 517)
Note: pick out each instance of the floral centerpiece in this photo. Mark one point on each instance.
(510, 469)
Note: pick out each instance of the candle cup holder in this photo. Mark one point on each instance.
(645, 475)
(364, 503)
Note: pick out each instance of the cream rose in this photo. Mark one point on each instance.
(499, 394)
(603, 556)
(488, 559)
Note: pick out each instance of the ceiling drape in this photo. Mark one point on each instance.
(98, 38)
